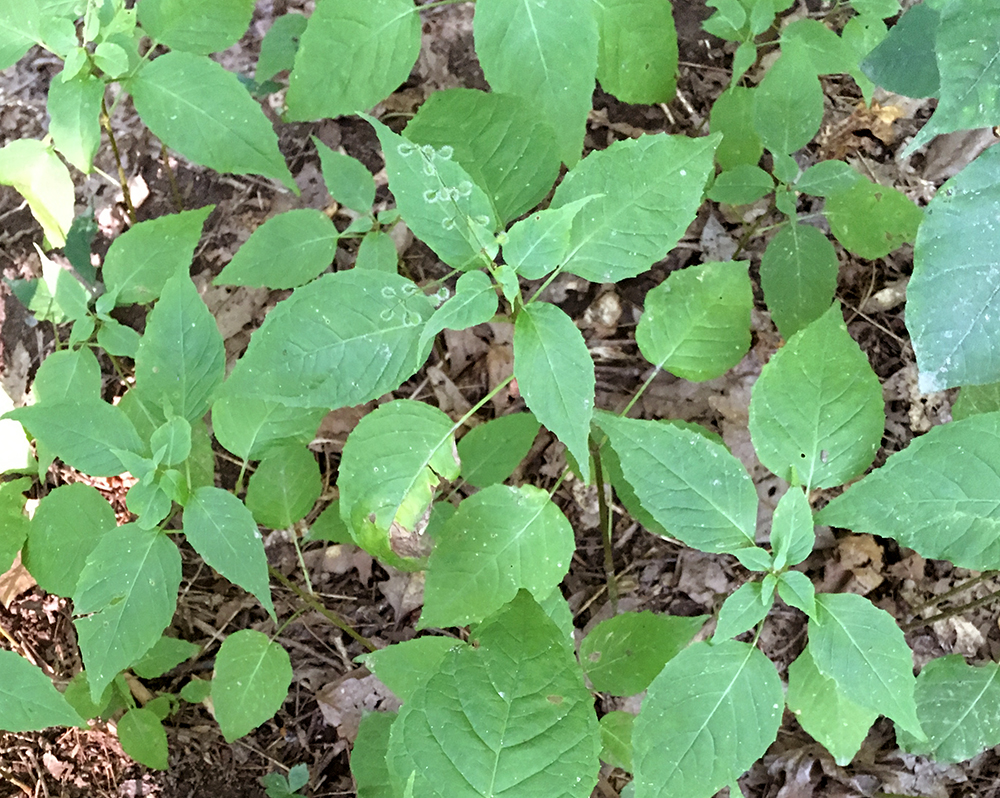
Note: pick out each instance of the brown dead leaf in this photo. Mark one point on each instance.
(857, 567)
(403, 591)
(842, 139)
(344, 702)
(15, 582)
(337, 425)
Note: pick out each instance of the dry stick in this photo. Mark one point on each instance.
(123, 181)
(317, 605)
(983, 577)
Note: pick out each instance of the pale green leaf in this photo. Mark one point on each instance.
(816, 411)
(352, 56)
(555, 374)
(342, 340)
(798, 274)
(222, 530)
(143, 738)
(252, 675)
(368, 765)
(645, 191)
(284, 487)
(696, 324)
(248, 427)
(539, 243)
(692, 486)
(438, 200)
(972, 400)
(490, 452)
(708, 716)
(499, 139)
(28, 701)
(546, 52)
(959, 709)
(741, 185)
(36, 172)
(623, 654)
(181, 358)
(67, 525)
(863, 34)
(827, 177)
(15, 451)
(287, 251)
(742, 610)
(876, 8)
(74, 108)
(193, 25)
(377, 252)
(616, 739)
(826, 711)
(174, 438)
(201, 110)
(280, 44)
(872, 220)
(796, 590)
(792, 533)
(150, 502)
(953, 298)
(637, 56)
(347, 179)
(821, 48)
(509, 717)
(938, 496)
(391, 464)
(14, 525)
(165, 655)
(788, 104)
(67, 374)
(860, 647)
(142, 259)
(18, 30)
(732, 116)
(57, 296)
(404, 667)
(126, 596)
(501, 540)
(475, 302)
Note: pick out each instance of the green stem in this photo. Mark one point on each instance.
(286, 624)
(122, 180)
(983, 577)
(315, 604)
(302, 562)
(950, 613)
(606, 530)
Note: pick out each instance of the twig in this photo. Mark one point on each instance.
(317, 605)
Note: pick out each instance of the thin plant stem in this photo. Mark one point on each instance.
(983, 577)
(640, 392)
(437, 3)
(950, 613)
(174, 190)
(286, 624)
(317, 605)
(606, 531)
(302, 562)
(122, 180)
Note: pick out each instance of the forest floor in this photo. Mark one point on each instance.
(329, 691)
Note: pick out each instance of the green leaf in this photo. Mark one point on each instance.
(280, 44)
(475, 302)
(546, 52)
(79, 242)
(637, 63)
(755, 559)
(192, 26)
(876, 8)
(67, 525)
(249, 427)
(798, 274)
(18, 31)
(742, 610)
(196, 690)
(826, 711)
(972, 400)
(28, 701)
(959, 709)
(14, 525)
(124, 600)
(368, 765)
(490, 452)
(827, 177)
(406, 666)
(438, 200)
(252, 675)
(174, 437)
(374, 47)
(199, 109)
(696, 324)
(796, 590)
(165, 655)
(817, 409)
(305, 355)
(143, 738)
(741, 185)
(728, 20)
(708, 716)
(693, 486)
(77, 694)
(67, 374)
(391, 464)
(788, 104)
(222, 530)
(142, 259)
(181, 358)
(555, 374)
(347, 179)
(538, 244)
(150, 502)
(872, 220)
(36, 172)
(824, 51)
(623, 654)
(792, 533)
(510, 716)
(329, 526)
(860, 647)
(284, 487)
(84, 434)
(501, 540)
(377, 252)
(616, 739)
(732, 116)
(935, 496)
(287, 251)
(57, 297)
(905, 62)
(953, 298)
(969, 69)
(499, 139)
(74, 108)
(645, 191)
(863, 34)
